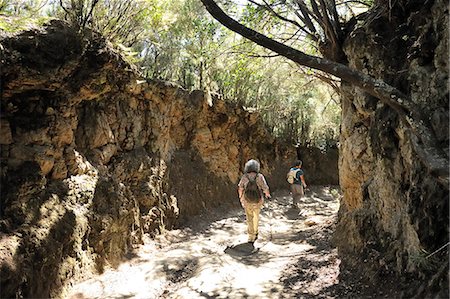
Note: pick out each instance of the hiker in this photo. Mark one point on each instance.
(296, 179)
(251, 189)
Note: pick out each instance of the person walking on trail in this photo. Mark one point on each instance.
(296, 179)
(251, 189)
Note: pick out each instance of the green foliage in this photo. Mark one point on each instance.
(178, 41)
(186, 46)
(17, 24)
(79, 12)
(180, 48)
(122, 21)
(128, 53)
(23, 8)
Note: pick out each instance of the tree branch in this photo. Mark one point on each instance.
(277, 15)
(61, 4)
(316, 14)
(306, 16)
(328, 26)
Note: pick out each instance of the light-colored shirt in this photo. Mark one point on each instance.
(260, 181)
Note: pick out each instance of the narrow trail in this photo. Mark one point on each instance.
(293, 256)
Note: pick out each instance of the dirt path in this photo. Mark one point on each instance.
(292, 258)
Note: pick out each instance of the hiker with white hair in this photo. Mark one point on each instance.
(251, 189)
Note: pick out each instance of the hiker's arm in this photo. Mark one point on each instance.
(241, 196)
(241, 191)
(302, 177)
(265, 187)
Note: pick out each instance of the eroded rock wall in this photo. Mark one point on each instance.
(392, 208)
(93, 157)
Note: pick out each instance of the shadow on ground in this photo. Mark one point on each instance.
(210, 258)
(242, 249)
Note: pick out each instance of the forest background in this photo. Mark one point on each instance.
(179, 41)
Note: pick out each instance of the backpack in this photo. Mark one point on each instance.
(252, 192)
(290, 177)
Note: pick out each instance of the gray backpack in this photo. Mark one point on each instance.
(252, 192)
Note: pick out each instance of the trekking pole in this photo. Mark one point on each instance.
(270, 219)
(270, 225)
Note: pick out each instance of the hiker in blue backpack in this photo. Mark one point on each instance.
(296, 179)
(251, 189)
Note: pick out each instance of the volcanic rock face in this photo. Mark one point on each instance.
(392, 208)
(86, 150)
(93, 157)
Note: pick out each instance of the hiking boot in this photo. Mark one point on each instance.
(250, 240)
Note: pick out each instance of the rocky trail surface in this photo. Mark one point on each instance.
(209, 258)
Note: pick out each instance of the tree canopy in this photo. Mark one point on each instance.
(179, 41)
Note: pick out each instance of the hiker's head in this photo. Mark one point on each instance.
(251, 166)
(298, 163)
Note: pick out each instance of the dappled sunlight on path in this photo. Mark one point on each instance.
(213, 259)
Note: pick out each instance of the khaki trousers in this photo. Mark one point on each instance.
(252, 214)
(297, 193)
